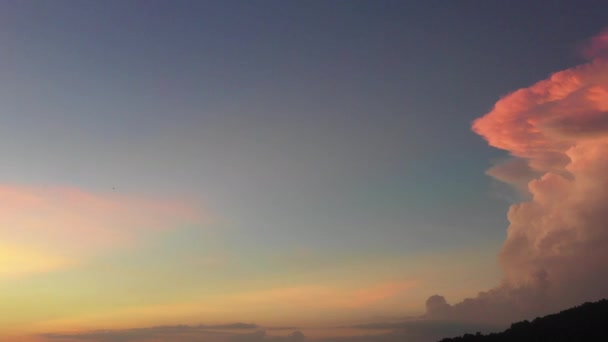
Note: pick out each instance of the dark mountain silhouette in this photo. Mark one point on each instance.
(587, 322)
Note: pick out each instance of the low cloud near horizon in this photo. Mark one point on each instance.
(232, 332)
(419, 330)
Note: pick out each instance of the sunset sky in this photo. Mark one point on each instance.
(283, 170)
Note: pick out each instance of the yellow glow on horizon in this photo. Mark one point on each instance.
(21, 261)
(315, 304)
(332, 301)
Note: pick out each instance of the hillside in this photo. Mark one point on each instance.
(587, 322)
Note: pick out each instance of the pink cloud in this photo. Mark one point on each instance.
(556, 247)
(326, 297)
(71, 222)
(597, 46)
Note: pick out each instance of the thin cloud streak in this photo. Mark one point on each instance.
(418, 330)
(232, 332)
(66, 224)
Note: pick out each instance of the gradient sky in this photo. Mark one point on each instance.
(285, 163)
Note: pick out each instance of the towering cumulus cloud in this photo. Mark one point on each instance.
(557, 241)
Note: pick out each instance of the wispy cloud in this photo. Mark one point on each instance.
(411, 330)
(322, 297)
(232, 332)
(45, 228)
(274, 307)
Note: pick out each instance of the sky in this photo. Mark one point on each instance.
(299, 170)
